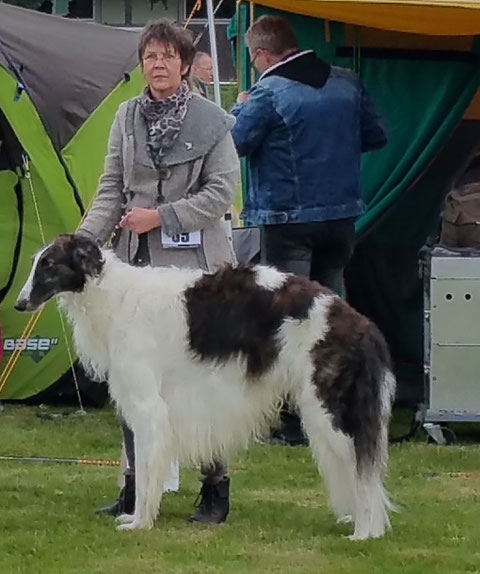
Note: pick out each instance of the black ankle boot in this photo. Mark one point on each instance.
(214, 504)
(125, 503)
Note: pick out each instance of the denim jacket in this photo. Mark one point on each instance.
(304, 128)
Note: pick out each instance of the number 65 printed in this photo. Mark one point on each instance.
(181, 238)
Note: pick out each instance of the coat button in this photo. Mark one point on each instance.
(164, 173)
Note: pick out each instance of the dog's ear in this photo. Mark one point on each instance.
(87, 254)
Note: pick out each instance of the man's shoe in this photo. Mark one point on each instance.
(214, 503)
(290, 432)
(125, 503)
(284, 439)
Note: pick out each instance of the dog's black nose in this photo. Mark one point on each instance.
(21, 305)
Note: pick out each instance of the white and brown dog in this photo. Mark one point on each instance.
(197, 362)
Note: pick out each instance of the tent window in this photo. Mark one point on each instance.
(225, 12)
(70, 8)
(80, 9)
(10, 148)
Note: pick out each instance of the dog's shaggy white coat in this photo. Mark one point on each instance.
(130, 327)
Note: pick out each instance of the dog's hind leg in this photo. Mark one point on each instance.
(354, 485)
(334, 454)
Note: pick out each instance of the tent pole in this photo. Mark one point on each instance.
(216, 88)
(239, 41)
(85, 461)
(128, 12)
(213, 50)
(253, 73)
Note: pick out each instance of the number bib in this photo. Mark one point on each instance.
(191, 239)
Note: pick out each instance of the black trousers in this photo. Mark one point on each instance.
(319, 251)
(212, 473)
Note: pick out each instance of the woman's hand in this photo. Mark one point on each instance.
(140, 220)
(243, 97)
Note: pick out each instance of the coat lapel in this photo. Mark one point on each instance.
(140, 141)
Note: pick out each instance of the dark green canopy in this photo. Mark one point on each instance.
(423, 85)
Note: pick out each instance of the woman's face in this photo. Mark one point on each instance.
(162, 69)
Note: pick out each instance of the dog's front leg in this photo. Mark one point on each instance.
(152, 434)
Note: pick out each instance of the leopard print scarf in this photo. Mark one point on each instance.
(164, 119)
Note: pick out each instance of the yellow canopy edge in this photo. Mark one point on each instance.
(435, 18)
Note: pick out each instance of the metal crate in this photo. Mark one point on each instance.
(452, 337)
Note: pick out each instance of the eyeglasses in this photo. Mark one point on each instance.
(166, 58)
(255, 56)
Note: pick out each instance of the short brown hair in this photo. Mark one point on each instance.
(170, 34)
(271, 33)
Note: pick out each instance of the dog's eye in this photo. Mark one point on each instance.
(46, 263)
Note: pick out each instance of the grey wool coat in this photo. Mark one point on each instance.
(192, 191)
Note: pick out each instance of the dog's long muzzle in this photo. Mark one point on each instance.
(24, 305)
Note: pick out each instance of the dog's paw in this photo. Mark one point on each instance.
(347, 519)
(359, 537)
(355, 538)
(136, 525)
(125, 518)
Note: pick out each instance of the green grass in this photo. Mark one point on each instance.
(279, 522)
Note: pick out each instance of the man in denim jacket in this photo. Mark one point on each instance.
(303, 126)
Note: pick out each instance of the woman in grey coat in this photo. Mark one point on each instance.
(170, 175)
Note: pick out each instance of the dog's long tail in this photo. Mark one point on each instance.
(375, 390)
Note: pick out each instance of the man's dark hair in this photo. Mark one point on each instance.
(170, 34)
(271, 33)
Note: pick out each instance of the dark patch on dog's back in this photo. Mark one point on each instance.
(349, 370)
(295, 297)
(229, 315)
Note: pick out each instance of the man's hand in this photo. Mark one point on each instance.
(140, 220)
(242, 97)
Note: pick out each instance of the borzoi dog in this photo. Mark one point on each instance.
(197, 362)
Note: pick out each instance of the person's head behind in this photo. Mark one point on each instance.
(202, 67)
(269, 40)
(165, 52)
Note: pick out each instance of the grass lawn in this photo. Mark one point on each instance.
(279, 522)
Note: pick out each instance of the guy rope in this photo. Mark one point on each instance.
(32, 322)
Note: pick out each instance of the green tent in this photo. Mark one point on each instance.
(61, 82)
(421, 62)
